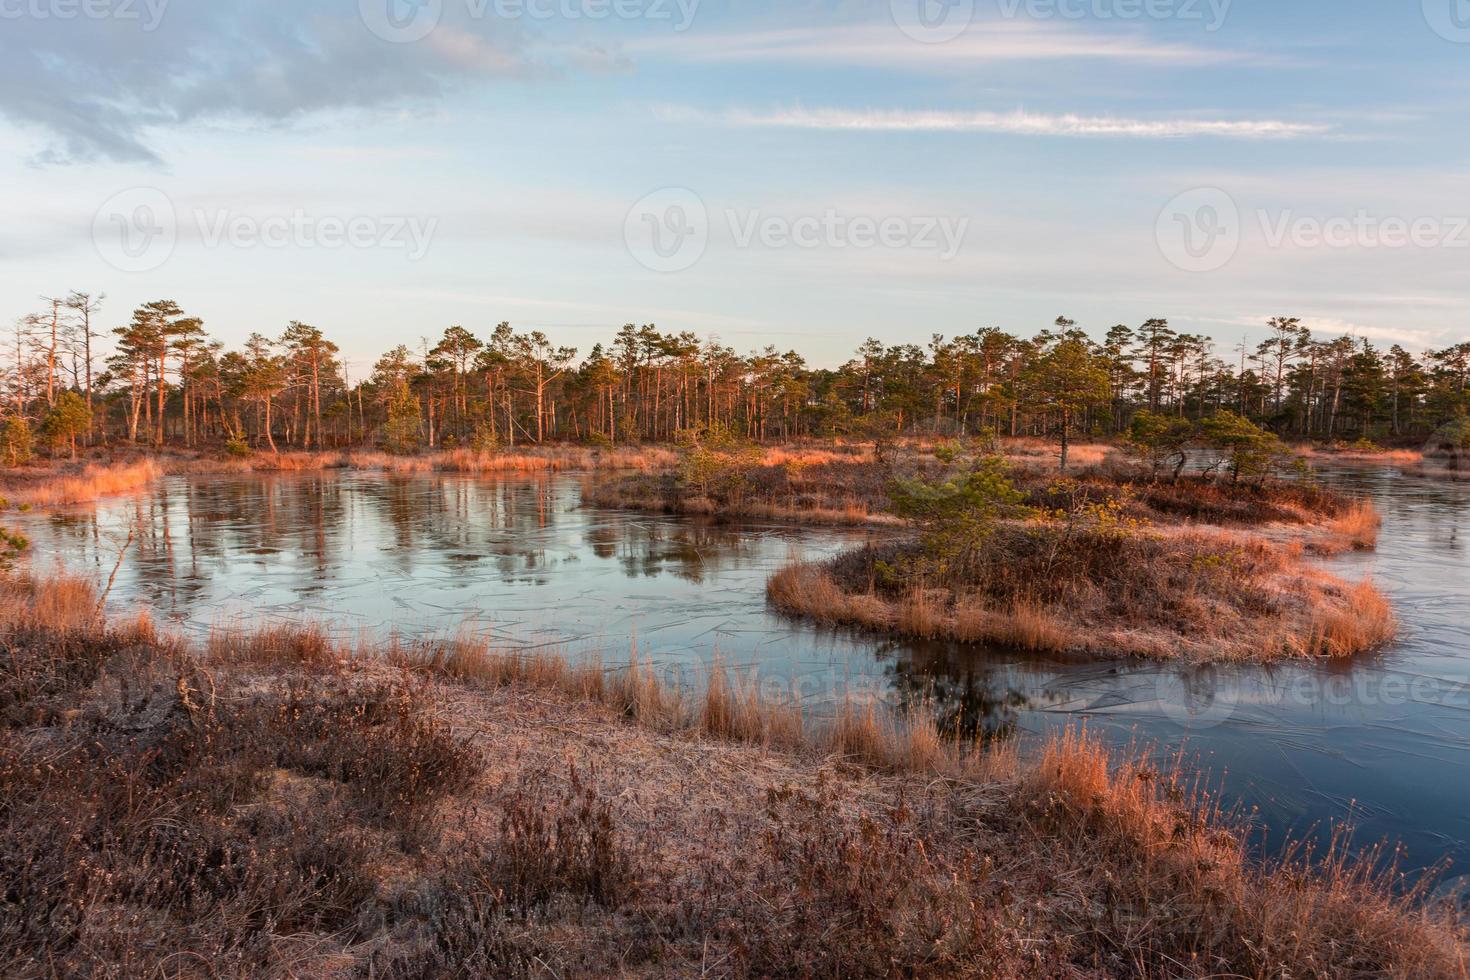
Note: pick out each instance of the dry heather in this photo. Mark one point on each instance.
(277, 806)
(1183, 595)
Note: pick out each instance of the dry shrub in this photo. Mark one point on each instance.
(483, 913)
(557, 844)
(1207, 501)
(807, 486)
(155, 812)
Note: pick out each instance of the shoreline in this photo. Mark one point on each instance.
(1190, 540)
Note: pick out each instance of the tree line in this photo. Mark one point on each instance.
(161, 380)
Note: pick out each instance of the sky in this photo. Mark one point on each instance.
(797, 174)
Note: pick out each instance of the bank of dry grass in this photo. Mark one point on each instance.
(1180, 594)
(277, 805)
(1358, 453)
(68, 483)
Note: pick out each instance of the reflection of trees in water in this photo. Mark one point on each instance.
(463, 521)
(648, 549)
(971, 699)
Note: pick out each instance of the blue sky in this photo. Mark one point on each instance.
(1112, 160)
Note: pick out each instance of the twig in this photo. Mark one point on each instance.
(102, 601)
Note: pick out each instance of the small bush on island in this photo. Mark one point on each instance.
(1069, 568)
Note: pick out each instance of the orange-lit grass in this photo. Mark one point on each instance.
(65, 486)
(1355, 529)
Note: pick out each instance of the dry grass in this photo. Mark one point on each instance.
(1184, 594)
(1031, 451)
(66, 485)
(448, 810)
(1354, 529)
(1349, 453)
(1360, 619)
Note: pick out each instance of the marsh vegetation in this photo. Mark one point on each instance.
(272, 803)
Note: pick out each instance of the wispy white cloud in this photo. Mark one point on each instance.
(1018, 121)
(883, 46)
(1336, 326)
